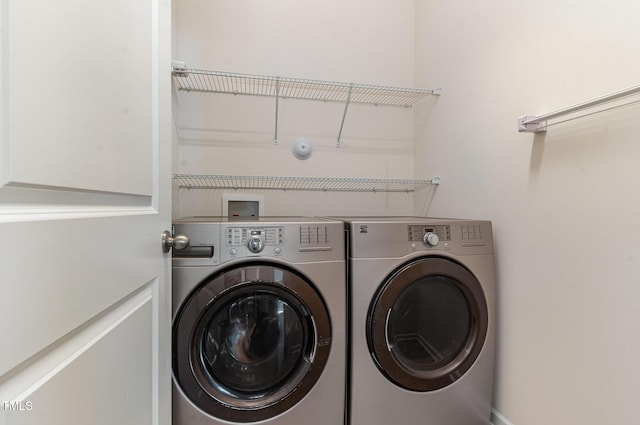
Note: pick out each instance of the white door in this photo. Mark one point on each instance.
(84, 197)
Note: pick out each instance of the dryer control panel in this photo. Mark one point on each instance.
(382, 237)
(417, 233)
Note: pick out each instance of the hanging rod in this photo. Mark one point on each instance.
(538, 123)
(324, 184)
(199, 80)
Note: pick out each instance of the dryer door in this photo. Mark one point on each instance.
(250, 343)
(427, 324)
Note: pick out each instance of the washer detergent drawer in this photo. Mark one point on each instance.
(204, 244)
(195, 252)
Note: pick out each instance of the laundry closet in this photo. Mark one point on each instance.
(561, 201)
(91, 102)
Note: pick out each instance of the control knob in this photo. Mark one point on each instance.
(431, 239)
(255, 244)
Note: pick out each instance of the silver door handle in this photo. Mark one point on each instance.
(177, 242)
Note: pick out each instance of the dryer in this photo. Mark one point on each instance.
(259, 322)
(422, 332)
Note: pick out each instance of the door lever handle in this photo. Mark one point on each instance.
(177, 242)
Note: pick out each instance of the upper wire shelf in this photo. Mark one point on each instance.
(200, 80)
(325, 184)
(296, 88)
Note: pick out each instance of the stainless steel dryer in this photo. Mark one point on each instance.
(259, 322)
(422, 321)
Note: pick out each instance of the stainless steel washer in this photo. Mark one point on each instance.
(422, 321)
(259, 322)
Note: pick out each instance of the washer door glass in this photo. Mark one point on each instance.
(427, 324)
(253, 342)
(250, 342)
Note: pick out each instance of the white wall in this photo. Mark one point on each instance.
(564, 205)
(356, 41)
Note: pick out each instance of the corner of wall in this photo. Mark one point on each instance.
(498, 418)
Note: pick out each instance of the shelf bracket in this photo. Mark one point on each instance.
(344, 114)
(530, 124)
(179, 69)
(275, 137)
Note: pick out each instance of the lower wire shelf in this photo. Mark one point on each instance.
(324, 184)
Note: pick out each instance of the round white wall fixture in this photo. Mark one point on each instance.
(302, 148)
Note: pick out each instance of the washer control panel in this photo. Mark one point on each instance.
(254, 239)
(294, 239)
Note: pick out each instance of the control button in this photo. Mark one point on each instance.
(255, 244)
(233, 251)
(278, 251)
(322, 234)
(313, 234)
(304, 235)
(431, 239)
(315, 248)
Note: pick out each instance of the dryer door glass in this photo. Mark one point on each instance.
(427, 324)
(250, 343)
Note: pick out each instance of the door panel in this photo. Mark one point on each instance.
(56, 287)
(80, 94)
(62, 395)
(84, 198)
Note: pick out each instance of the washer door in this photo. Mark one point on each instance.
(250, 343)
(427, 324)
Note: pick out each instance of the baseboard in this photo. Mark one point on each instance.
(498, 418)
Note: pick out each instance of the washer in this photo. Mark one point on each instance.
(259, 322)
(422, 336)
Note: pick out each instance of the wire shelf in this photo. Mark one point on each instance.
(200, 80)
(325, 184)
